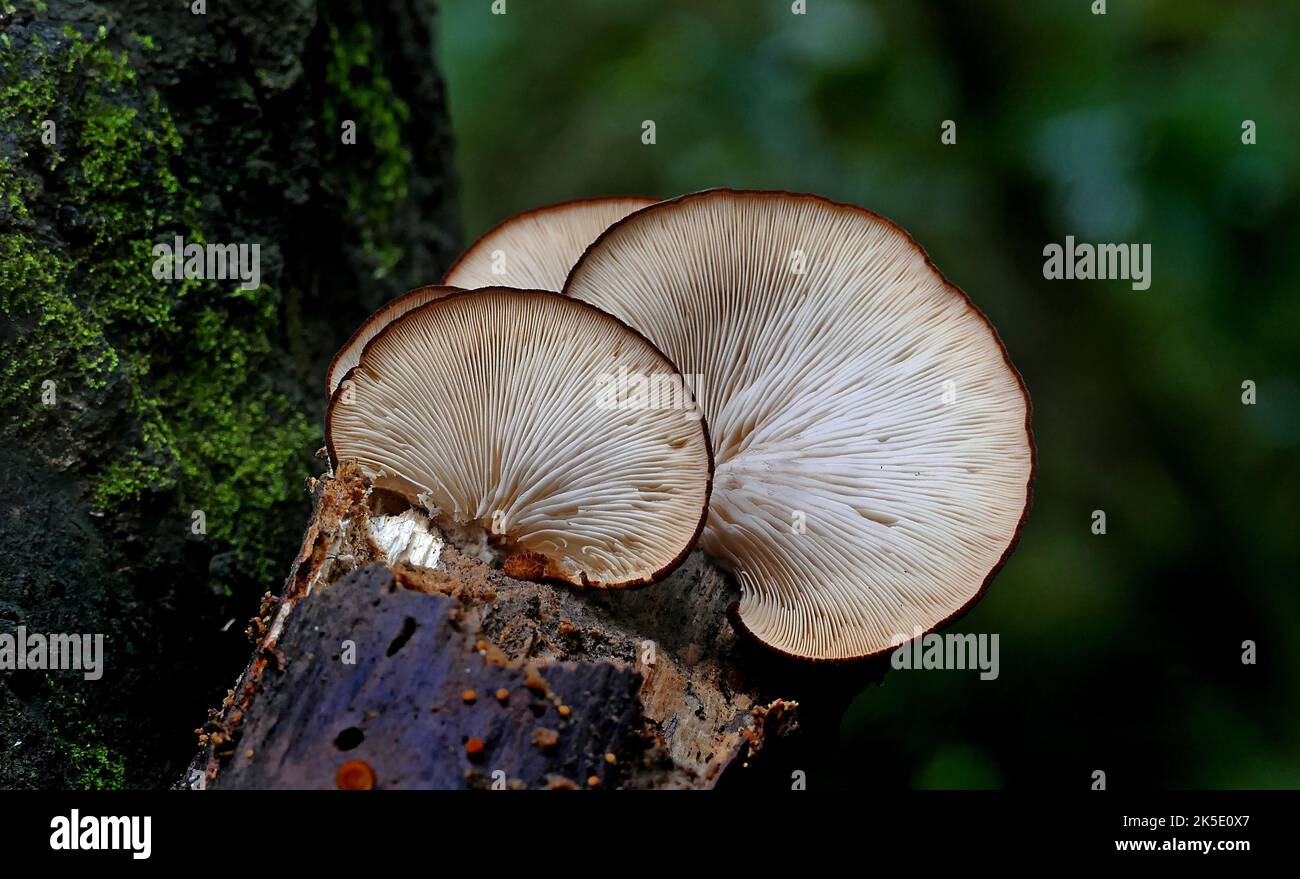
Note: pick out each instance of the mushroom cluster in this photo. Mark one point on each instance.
(845, 433)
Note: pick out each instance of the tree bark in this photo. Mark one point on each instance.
(391, 658)
(130, 403)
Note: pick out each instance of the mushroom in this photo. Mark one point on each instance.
(871, 437)
(513, 417)
(390, 311)
(537, 248)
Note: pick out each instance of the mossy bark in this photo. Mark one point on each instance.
(129, 403)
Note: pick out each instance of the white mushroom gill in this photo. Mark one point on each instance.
(871, 438)
(536, 250)
(491, 409)
(350, 353)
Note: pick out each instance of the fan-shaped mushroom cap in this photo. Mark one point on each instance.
(536, 249)
(871, 438)
(501, 413)
(390, 311)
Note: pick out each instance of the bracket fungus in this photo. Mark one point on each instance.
(390, 311)
(871, 436)
(536, 249)
(497, 410)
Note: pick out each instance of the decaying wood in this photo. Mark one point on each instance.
(433, 670)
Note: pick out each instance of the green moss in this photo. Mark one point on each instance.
(92, 764)
(361, 92)
(192, 357)
(97, 767)
(32, 280)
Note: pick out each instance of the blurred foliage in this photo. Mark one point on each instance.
(1119, 652)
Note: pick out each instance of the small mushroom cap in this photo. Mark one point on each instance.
(871, 437)
(390, 311)
(501, 412)
(536, 249)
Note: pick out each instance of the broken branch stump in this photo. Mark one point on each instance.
(392, 660)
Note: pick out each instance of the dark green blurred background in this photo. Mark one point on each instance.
(1119, 652)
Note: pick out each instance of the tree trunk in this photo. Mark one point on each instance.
(155, 432)
(391, 660)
